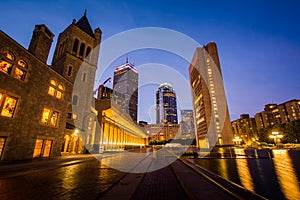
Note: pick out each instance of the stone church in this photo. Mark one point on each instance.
(47, 111)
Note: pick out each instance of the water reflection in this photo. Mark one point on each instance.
(286, 174)
(68, 176)
(224, 169)
(243, 170)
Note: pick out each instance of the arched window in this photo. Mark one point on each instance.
(20, 70)
(70, 68)
(9, 56)
(52, 87)
(88, 51)
(81, 51)
(56, 89)
(75, 45)
(13, 67)
(6, 64)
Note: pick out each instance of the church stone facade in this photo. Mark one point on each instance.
(39, 114)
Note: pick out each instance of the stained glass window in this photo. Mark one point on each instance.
(22, 63)
(9, 105)
(17, 69)
(5, 67)
(9, 55)
(19, 74)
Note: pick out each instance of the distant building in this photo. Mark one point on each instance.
(187, 123)
(108, 93)
(245, 128)
(143, 123)
(278, 114)
(126, 83)
(208, 97)
(166, 107)
(163, 132)
(37, 117)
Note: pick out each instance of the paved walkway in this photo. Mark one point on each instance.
(174, 181)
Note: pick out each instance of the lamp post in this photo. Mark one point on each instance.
(275, 135)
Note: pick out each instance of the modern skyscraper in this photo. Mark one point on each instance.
(126, 83)
(212, 122)
(166, 107)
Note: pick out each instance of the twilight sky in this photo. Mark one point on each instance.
(258, 42)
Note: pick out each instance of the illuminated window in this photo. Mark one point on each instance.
(42, 148)
(9, 105)
(55, 89)
(47, 148)
(5, 67)
(45, 116)
(38, 148)
(22, 63)
(60, 87)
(49, 117)
(9, 66)
(9, 56)
(51, 91)
(19, 74)
(58, 95)
(53, 118)
(52, 82)
(2, 143)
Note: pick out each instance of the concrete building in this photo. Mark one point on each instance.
(166, 107)
(278, 114)
(245, 128)
(126, 82)
(212, 122)
(36, 114)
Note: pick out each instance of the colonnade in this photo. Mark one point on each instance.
(116, 137)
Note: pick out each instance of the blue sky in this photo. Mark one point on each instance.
(258, 41)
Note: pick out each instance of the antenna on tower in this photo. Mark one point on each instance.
(85, 12)
(127, 58)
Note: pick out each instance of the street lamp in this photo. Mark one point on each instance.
(275, 135)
